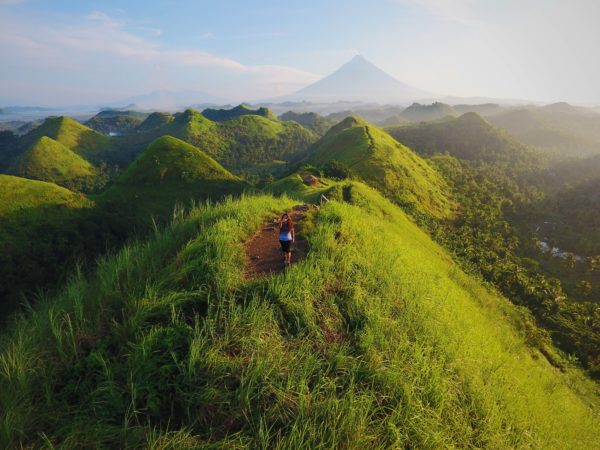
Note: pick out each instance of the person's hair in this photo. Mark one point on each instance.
(289, 221)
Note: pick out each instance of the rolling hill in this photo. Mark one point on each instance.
(116, 122)
(557, 128)
(169, 344)
(38, 234)
(467, 137)
(423, 113)
(220, 115)
(242, 141)
(168, 172)
(155, 120)
(310, 120)
(49, 160)
(87, 143)
(379, 160)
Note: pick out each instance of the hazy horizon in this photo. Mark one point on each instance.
(77, 53)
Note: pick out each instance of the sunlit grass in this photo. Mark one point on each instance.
(375, 340)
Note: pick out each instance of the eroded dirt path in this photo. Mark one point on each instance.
(263, 252)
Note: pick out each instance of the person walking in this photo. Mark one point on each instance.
(286, 237)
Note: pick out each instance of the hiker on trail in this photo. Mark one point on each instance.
(286, 237)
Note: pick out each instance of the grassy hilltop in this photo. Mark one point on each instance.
(373, 156)
(82, 140)
(49, 160)
(169, 345)
(168, 172)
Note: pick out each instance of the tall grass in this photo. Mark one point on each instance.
(375, 340)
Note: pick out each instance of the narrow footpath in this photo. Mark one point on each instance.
(263, 252)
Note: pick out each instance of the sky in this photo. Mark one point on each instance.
(68, 52)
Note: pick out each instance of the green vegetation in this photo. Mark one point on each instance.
(49, 160)
(87, 143)
(8, 148)
(558, 128)
(39, 235)
(116, 124)
(155, 120)
(419, 113)
(310, 120)
(373, 156)
(168, 345)
(468, 137)
(238, 143)
(221, 115)
(169, 171)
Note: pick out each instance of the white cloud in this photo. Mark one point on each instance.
(68, 45)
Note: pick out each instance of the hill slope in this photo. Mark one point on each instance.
(239, 142)
(37, 232)
(82, 140)
(49, 160)
(467, 137)
(417, 112)
(169, 345)
(382, 162)
(558, 128)
(167, 172)
(220, 115)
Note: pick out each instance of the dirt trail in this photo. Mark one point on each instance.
(263, 252)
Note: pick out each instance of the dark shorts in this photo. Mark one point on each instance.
(286, 246)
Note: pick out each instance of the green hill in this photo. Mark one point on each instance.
(49, 160)
(155, 120)
(419, 113)
(116, 122)
(373, 156)
(82, 140)
(558, 128)
(169, 345)
(220, 115)
(467, 137)
(170, 171)
(9, 148)
(37, 234)
(240, 142)
(310, 120)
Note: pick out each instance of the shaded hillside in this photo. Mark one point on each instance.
(9, 148)
(220, 115)
(483, 109)
(236, 143)
(372, 155)
(467, 137)
(310, 120)
(116, 122)
(155, 120)
(169, 171)
(38, 235)
(169, 345)
(558, 128)
(422, 113)
(49, 160)
(82, 140)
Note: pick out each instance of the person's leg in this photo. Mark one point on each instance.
(289, 257)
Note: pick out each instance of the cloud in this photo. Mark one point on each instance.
(121, 43)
